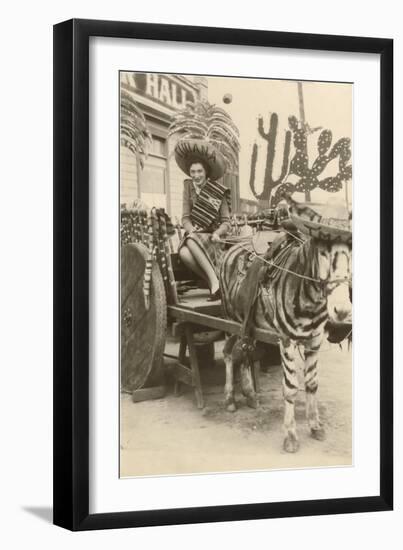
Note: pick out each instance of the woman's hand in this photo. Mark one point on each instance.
(215, 238)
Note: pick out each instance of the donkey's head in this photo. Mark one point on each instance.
(331, 239)
(334, 272)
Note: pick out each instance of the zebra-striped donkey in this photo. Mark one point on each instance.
(309, 285)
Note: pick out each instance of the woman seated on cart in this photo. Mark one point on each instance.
(206, 210)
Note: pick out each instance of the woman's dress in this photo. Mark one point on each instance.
(193, 217)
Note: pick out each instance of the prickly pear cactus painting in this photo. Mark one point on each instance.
(309, 178)
(308, 173)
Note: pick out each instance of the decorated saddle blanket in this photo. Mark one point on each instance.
(259, 272)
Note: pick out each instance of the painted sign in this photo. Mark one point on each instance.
(162, 88)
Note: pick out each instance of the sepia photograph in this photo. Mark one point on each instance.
(219, 194)
(236, 208)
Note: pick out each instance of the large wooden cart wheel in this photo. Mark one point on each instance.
(143, 330)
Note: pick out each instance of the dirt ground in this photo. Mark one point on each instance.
(171, 436)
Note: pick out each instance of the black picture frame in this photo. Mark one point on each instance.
(71, 274)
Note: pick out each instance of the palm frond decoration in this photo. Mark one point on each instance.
(134, 132)
(202, 120)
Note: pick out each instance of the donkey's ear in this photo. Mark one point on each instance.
(286, 196)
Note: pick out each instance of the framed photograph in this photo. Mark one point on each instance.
(222, 198)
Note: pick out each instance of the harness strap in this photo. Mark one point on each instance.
(249, 291)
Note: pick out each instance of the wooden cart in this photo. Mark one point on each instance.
(151, 278)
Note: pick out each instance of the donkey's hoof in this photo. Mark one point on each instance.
(231, 407)
(252, 402)
(291, 444)
(318, 433)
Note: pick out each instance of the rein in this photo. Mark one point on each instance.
(323, 282)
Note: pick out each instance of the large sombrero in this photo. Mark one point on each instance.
(309, 222)
(189, 151)
(327, 229)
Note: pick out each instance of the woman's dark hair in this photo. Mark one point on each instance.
(203, 163)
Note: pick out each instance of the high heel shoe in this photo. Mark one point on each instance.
(215, 297)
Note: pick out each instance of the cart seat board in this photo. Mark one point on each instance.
(196, 300)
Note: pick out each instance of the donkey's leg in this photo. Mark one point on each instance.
(311, 387)
(247, 386)
(290, 391)
(229, 398)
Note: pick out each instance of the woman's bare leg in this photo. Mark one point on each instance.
(187, 258)
(204, 264)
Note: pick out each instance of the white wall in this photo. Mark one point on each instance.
(26, 254)
(128, 177)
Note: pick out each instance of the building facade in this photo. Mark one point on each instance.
(160, 182)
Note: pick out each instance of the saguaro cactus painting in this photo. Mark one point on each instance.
(269, 183)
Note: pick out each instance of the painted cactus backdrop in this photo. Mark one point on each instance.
(308, 171)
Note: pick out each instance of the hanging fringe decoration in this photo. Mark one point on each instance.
(170, 283)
